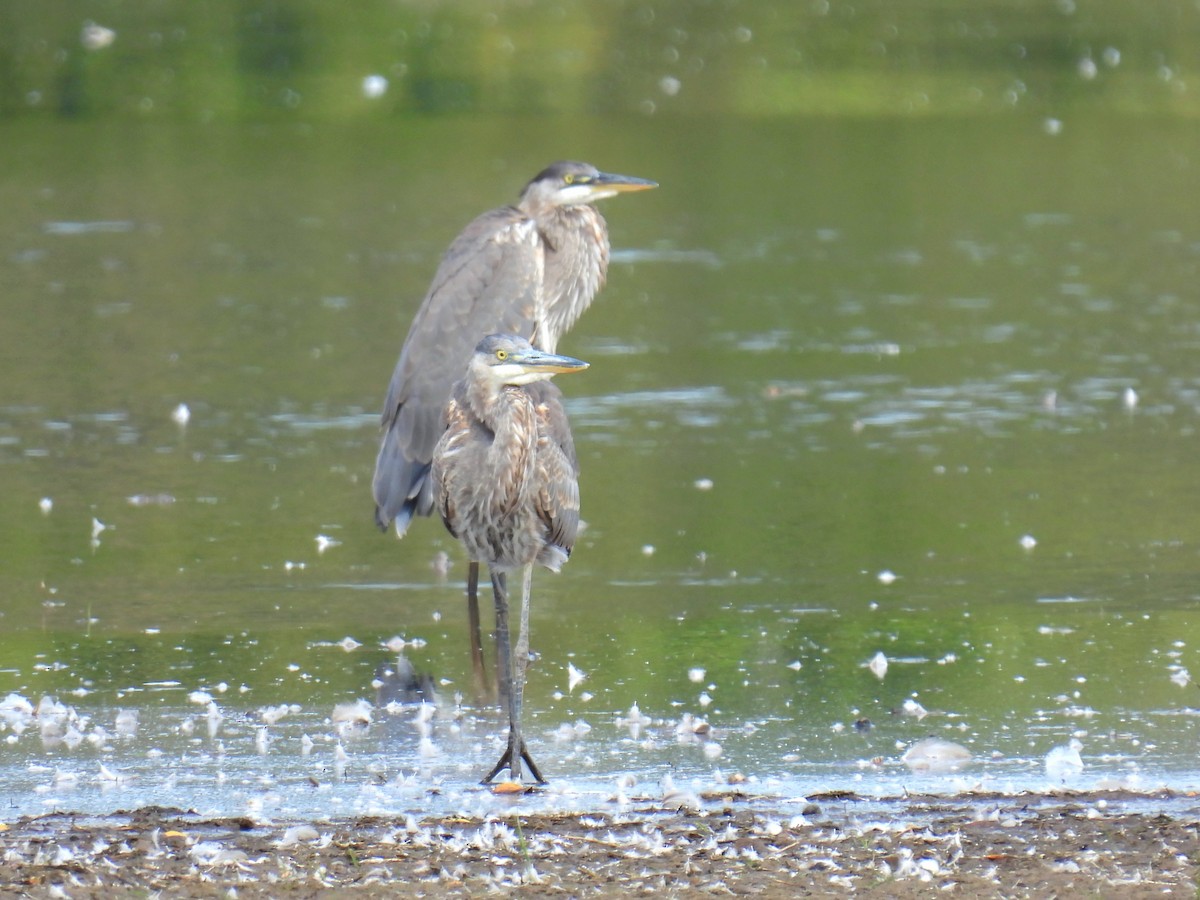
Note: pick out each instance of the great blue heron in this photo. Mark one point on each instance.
(530, 270)
(505, 481)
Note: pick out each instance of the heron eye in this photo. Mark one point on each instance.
(501, 355)
(568, 179)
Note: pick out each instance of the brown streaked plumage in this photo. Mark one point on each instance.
(505, 481)
(530, 270)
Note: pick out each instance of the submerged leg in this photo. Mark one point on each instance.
(511, 684)
(477, 668)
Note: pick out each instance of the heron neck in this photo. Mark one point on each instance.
(576, 265)
(500, 407)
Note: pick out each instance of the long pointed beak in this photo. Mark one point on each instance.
(534, 361)
(622, 184)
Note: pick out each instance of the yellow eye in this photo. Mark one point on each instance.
(568, 179)
(502, 355)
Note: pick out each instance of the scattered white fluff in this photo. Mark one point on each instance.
(878, 664)
(298, 834)
(911, 707)
(679, 798)
(126, 724)
(1064, 760)
(936, 755)
(351, 718)
(96, 37)
(212, 718)
(575, 677)
(374, 86)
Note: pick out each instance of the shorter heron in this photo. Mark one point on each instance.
(505, 481)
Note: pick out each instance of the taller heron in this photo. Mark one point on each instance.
(505, 482)
(528, 270)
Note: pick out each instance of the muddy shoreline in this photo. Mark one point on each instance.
(1026, 845)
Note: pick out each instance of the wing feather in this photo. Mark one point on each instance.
(557, 467)
(489, 281)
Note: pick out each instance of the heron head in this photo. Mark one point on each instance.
(573, 183)
(508, 359)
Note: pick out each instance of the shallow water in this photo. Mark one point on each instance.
(918, 385)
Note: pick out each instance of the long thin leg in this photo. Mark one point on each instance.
(511, 685)
(477, 666)
(521, 664)
(504, 674)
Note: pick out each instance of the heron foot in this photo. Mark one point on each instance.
(514, 753)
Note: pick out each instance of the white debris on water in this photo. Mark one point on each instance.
(1064, 760)
(696, 674)
(213, 718)
(351, 719)
(45, 505)
(340, 760)
(126, 724)
(911, 707)
(690, 728)
(398, 644)
(887, 576)
(878, 664)
(676, 798)
(1028, 542)
(96, 37)
(703, 484)
(272, 715)
(575, 677)
(325, 542)
(159, 499)
(298, 834)
(440, 563)
(936, 755)
(181, 415)
(634, 721)
(374, 86)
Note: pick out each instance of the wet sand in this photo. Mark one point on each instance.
(1028, 845)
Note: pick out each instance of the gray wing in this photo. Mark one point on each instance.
(557, 467)
(488, 282)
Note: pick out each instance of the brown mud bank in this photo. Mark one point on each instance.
(1027, 845)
